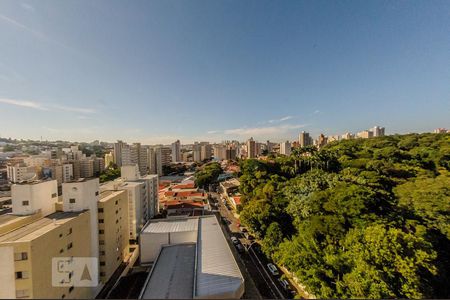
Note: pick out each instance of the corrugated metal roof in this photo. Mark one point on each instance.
(218, 275)
(176, 225)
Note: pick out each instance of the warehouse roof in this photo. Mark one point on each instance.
(173, 273)
(172, 225)
(215, 273)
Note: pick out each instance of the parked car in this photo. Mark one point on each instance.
(240, 248)
(248, 236)
(243, 229)
(272, 269)
(285, 284)
(234, 240)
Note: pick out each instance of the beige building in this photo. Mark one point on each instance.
(113, 232)
(27, 251)
(251, 148)
(109, 159)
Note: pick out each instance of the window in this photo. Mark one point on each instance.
(102, 252)
(117, 221)
(54, 195)
(25, 203)
(102, 274)
(102, 263)
(22, 294)
(71, 289)
(100, 210)
(101, 242)
(96, 193)
(69, 246)
(61, 250)
(72, 200)
(70, 230)
(101, 231)
(101, 221)
(22, 275)
(116, 202)
(63, 296)
(21, 256)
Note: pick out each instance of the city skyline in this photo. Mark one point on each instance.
(160, 71)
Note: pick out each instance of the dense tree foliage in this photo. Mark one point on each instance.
(365, 218)
(110, 174)
(207, 174)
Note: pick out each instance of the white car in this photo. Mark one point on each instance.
(272, 269)
(234, 240)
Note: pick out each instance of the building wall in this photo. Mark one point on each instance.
(37, 268)
(30, 198)
(113, 232)
(78, 196)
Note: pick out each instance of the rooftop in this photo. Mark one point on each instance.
(39, 227)
(175, 269)
(172, 225)
(108, 194)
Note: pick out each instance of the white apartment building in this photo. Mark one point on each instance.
(285, 148)
(20, 172)
(176, 151)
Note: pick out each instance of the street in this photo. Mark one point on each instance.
(253, 259)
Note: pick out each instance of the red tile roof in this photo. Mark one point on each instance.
(237, 200)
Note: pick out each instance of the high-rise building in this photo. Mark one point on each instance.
(365, 134)
(322, 141)
(86, 168)
(205, 151)
(118, 153)
(196, 152)
(285, 148)
(28, 249)
(176, 151)
(347, 136)
(112, 232)
(378, 131)
(304, 139)
(20, 172)
(220, 152)
(251, 148)
(109, 159)
(440, 130)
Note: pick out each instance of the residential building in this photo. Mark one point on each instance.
(86, 168)
(347, 136)
(285, 148)
(365, 134)
(251, 148)
(20, 172)
(113, 235)
(205, 152)
(176, 151)
(27, 251)
(109, 159)
(33, 197)
(440, 130)
(118, 153)
(304, 139)
(220, 152)
(196, 152)
(378, 131)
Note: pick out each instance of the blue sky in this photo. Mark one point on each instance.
(155, 71)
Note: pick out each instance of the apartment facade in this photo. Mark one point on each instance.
(112, 232)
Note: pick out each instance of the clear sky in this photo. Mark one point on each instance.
(156, 71)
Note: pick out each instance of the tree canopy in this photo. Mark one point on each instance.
(363, 218)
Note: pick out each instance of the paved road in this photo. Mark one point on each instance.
(253, 260)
